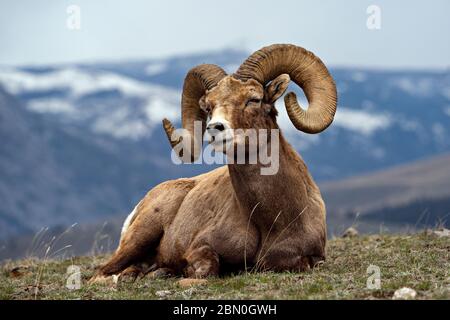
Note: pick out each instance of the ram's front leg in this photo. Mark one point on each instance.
(202, 261)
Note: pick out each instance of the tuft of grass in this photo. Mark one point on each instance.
(419, 261)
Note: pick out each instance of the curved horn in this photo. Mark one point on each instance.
(198, 80)
(307, 71)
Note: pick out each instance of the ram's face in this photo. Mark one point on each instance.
(245, 99)
(235, 108)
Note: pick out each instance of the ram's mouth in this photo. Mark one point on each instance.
(221, 142)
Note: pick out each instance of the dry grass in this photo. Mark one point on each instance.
(419, 261)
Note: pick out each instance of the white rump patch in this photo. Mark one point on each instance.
(127, 222)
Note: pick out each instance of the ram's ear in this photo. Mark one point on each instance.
(276, 88)
(202, 103)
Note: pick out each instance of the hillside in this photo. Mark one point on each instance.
(412, 195)
(418, 261)
(396, 186)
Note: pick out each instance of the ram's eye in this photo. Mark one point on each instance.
(206, 108)
(253, 101)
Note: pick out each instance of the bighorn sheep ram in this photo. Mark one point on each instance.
(234, 217)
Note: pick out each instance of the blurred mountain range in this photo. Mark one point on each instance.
(83, 142)
(400, 198)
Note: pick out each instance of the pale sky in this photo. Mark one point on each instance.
(413, 34)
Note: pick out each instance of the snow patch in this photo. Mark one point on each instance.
(415, 87)
(137, 123)
(230, 68)
(78, 82)
(51, 105)
(361, 121)
(118, 125)
(358, 76)
(150, 103)
(158, 109)
(155, 68)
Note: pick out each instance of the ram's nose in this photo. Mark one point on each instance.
(216, 126)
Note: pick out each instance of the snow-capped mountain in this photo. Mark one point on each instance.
(84, 142)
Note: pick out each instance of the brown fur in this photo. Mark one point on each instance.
(231, 216)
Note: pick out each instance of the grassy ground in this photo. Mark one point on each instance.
(420, 262)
